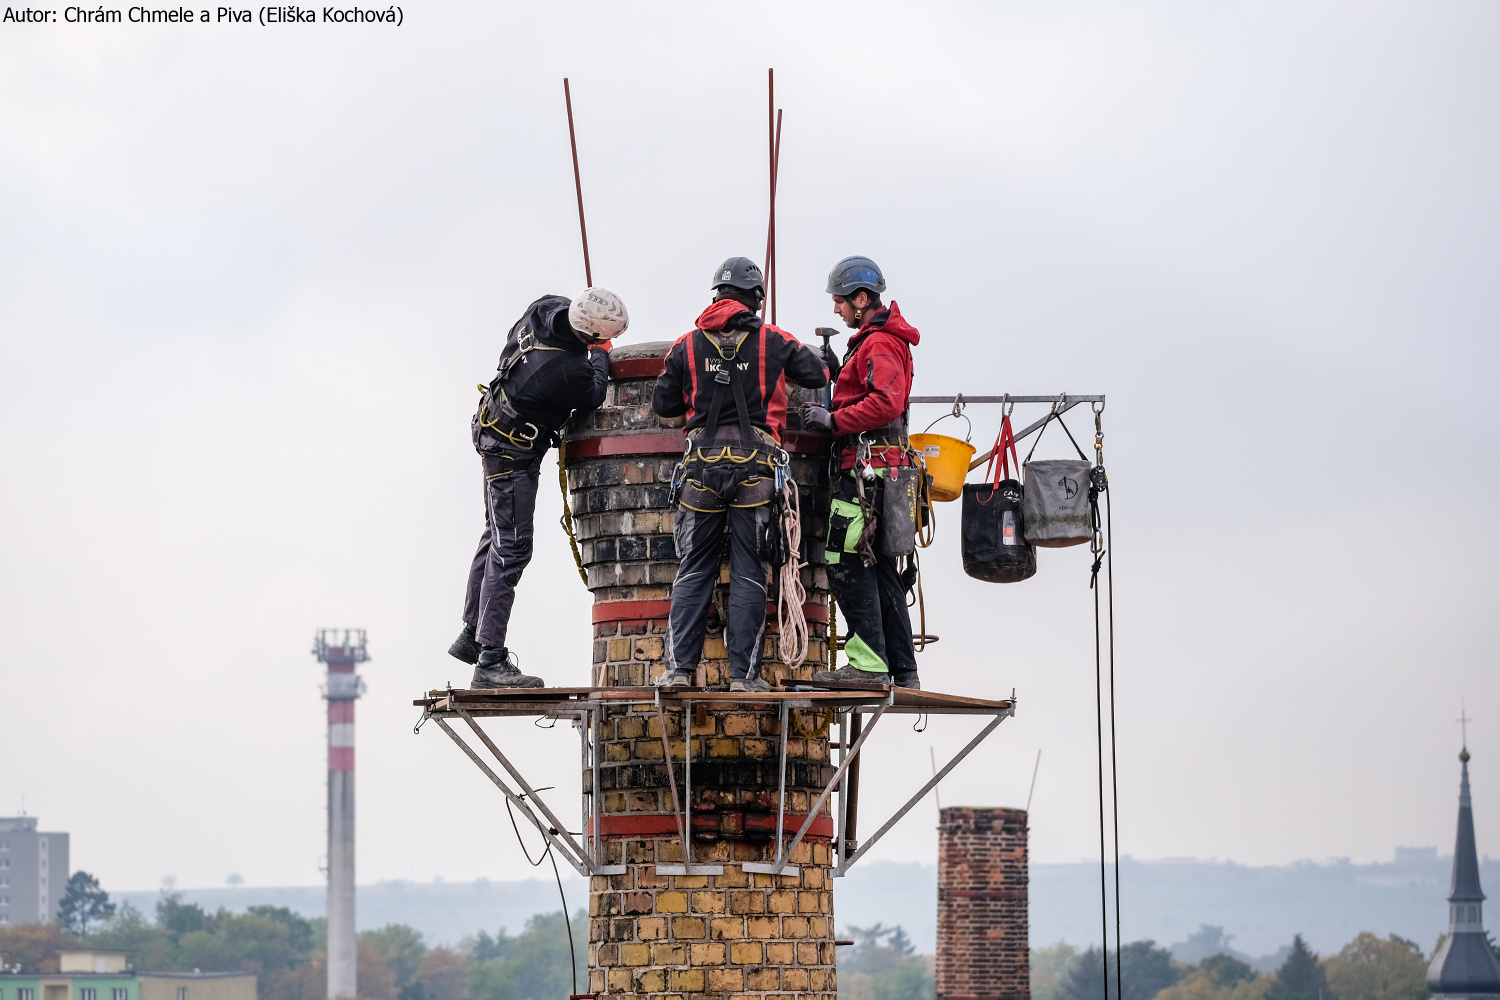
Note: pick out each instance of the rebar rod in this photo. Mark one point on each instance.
(588, 272)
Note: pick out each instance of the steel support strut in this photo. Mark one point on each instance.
(844, 865)
(558, 824)
(777, 869)
(780, 867)
(554, 839)
(682, 810)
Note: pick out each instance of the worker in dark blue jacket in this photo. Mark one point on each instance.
(554, 362)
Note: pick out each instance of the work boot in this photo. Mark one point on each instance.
(852, 675)
(749, 685)
(908, 680)
(497, 669)
(676, 679)
(466, 647)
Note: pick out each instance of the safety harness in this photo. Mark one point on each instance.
(705, 450)
(498, 415)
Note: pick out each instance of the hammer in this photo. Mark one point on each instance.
(827, 333)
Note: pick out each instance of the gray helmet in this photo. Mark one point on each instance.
(854, 273)
(739, 272)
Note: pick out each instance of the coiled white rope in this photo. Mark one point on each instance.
(790, 619)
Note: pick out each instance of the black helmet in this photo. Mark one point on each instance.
(854, 273)
(739, 272)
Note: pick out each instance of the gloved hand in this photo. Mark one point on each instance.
(831, 359)
(818, 416)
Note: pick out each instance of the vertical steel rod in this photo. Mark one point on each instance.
(687, 783)
(597, 809)
(781, 781)
(771, 178)
(666, 753)
(588, 272)
(851, 818)
(775, 179)
(843, 784)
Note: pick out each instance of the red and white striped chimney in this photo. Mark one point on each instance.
(341, 650)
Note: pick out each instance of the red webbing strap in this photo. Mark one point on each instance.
(1001, 469)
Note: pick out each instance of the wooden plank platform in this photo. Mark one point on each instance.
(566, 700)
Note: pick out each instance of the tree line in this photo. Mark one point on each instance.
(1368, 968)
(287, 952)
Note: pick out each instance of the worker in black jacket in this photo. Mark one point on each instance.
(555, 361)
(729, 377)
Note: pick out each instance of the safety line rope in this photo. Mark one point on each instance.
(790, 619)
(1100, 546)
(546, 856)
(567, 511)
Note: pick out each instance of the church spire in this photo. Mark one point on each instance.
(1465, 967)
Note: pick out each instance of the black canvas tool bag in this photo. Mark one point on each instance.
(994, 542)
(898, 510)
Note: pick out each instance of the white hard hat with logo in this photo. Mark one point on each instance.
(598, 314)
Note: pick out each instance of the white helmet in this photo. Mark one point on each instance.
(598, 314)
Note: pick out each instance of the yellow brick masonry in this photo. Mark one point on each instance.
(737, 934)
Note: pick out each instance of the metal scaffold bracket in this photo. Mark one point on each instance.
(554, 835)
(845, 865)
(587, 708)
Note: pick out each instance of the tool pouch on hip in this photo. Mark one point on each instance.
(898, 510)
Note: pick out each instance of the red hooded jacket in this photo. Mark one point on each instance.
(768, 357)
(874, 387)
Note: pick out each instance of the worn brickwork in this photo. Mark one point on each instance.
(982, 951)
(657, 936)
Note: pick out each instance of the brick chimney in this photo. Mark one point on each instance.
(982, 948)
(657, 935)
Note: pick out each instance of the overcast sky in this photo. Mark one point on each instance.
(249, 277)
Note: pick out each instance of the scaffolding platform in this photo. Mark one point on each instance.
(567, 701)
(857, 710)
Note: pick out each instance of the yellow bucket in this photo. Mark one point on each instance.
(947, 461)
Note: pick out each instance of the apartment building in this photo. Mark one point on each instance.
(104, 975)
(33, 871)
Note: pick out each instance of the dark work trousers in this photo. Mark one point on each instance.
(699, 536)
(504, 550)
(872, 602)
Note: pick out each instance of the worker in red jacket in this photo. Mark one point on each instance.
(872, 390)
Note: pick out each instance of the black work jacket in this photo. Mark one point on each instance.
(556, 376)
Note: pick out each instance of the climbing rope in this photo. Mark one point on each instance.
(790, 618)
(567, 511)
(833, 632)
(1099, 546)
(547, 855)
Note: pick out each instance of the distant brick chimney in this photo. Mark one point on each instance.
(982, 948)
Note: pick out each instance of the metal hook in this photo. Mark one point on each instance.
(1098, 406)
(1006, 406)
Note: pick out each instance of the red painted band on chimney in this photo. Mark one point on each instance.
(637, 367)
(643, 611)
(670, 443)
(340, 758)
(665, 824)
